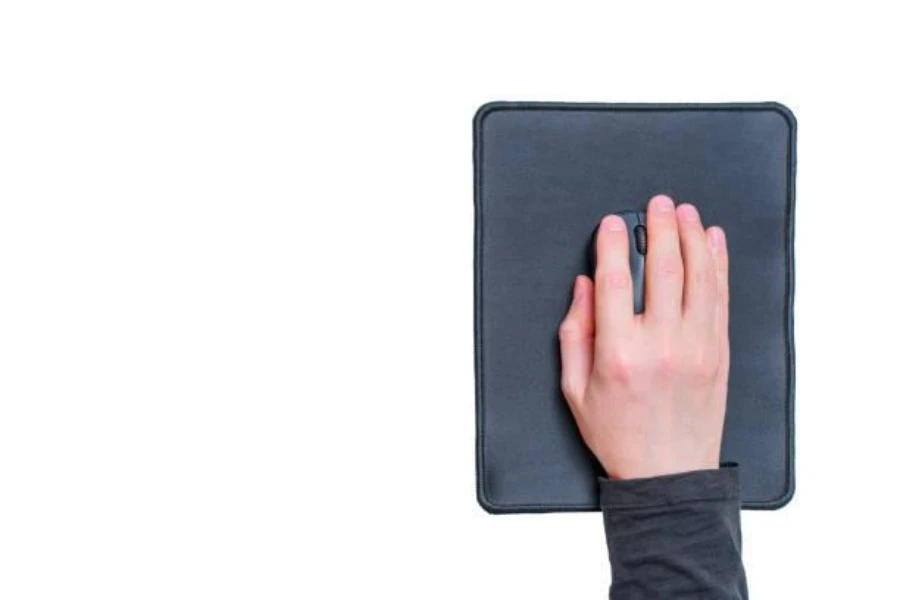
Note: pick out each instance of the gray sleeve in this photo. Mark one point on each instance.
(675, 536)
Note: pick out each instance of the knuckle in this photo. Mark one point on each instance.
(667, 364)
(569, 330)
(704, 276)
(703, 366)
(669, 268)
(616, 280)
(568, 389)
(617, 365)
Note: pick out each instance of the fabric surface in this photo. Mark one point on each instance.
(675, 536)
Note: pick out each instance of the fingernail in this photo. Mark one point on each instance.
(662, 204)
(689, 212)
(613, 223)
(717, 238)
(578, 292)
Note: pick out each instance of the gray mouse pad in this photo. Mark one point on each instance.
(545, 173)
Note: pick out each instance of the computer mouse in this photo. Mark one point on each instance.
(636, 226)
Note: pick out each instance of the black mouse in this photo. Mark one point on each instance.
(636, 225)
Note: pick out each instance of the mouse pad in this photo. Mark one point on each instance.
(545, 173)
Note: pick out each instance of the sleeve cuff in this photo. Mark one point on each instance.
(666, 490)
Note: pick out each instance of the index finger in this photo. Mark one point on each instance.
(614, 305)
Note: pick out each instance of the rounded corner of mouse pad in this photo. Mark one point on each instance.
(544, 175)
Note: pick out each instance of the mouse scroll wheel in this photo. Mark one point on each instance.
(640, 239)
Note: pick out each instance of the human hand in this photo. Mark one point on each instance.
(648, 391)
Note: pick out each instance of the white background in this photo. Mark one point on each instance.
(236, 290)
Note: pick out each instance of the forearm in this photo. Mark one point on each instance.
(676, 536)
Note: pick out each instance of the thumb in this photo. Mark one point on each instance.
(576, 341)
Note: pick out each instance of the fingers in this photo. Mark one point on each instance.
(614, 303)
(700, 286)
(576, 341)
(664, 268)
(719, 250)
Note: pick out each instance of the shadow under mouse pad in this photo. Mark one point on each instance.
(545, 174)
